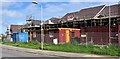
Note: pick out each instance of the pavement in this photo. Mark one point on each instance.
(51, 53)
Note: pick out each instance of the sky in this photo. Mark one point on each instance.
(17, 12)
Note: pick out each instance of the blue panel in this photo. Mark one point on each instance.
(14, 37)
(23, 36)
(17, 38)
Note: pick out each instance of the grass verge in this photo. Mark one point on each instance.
(112, 50)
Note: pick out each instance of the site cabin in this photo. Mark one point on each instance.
(62, 35)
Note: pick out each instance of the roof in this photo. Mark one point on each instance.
(64, 18)
(16, 28)
(84, 13)
(89, 13)
(114, 9)
(53, 20)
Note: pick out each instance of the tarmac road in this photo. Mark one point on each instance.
(12, 54)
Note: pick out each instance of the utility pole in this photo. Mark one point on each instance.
(109, 26)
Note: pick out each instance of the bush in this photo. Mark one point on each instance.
(35, 42)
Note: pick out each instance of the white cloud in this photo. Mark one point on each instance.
(53, 10)
(0, 22)
(33, 10)
(9, 4)
(12, 13)
(18, 23)
(17, 14)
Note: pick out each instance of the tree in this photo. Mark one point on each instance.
(3, 37)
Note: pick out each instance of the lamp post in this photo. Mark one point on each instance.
(42, 23)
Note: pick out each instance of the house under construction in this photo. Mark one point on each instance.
(98, 25)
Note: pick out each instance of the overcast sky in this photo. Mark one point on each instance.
(16, 12)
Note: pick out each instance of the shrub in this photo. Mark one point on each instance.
(35, 42)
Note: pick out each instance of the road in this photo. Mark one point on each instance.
(12, 54)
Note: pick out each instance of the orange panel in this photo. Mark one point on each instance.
(67, 36)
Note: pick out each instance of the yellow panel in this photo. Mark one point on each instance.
(67, 36)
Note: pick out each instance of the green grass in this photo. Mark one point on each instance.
(33, 45)
(112, 50)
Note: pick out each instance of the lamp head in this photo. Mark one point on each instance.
(35, 2)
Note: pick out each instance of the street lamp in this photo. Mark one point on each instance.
(35, 2)
(42, 23)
